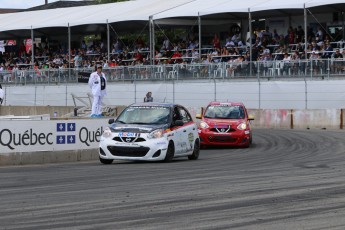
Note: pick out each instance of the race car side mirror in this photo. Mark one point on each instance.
(111, 121)
(198, 116)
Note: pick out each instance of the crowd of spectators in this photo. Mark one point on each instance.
(266, 46)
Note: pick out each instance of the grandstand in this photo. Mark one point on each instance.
(182, 40)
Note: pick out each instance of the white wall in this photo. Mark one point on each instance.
(317, 94)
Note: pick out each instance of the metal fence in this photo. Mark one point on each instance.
(303, 69)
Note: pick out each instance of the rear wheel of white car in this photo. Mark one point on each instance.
(196, 151)
(105, 161)
(170, 153)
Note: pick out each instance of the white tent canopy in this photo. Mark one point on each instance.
(205, 7)
(94, 14)
(141, 10)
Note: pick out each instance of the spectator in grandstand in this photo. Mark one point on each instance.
(337, 61)
(195, 54)
(299, 34)
(117, 47)
(78, 60)
(317, 64)
(275, 35)
(97, 83)
(83, 45)
(234, 64)
(310, 34)
(166, 44)
(137, 56)
(281, 41)
(286, 63)
(216, 42)
(225, 54)
(176, 57)
(315, 46)
(236, 38)
(267, 35)
(216, 55)
(291, 35)
(299, 48)
(295, 65)
(139, 43)
(319, 34)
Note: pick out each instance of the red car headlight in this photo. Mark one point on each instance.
(242, 126)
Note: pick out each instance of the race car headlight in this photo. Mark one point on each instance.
(242, 126)
(107, 132)
(158, 133)
(203, 125)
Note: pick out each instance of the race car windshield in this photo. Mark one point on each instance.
(144, 115)
(225, 112)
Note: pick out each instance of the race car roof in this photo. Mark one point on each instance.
(161, 104)
(226, 103)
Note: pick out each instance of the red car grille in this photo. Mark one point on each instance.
(221, 139)
(222, 130)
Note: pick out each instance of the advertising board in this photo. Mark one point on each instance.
(51, 135)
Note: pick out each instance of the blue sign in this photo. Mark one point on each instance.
(65, 127)
(60, 139)
(71, 127)
(70, 139)
(61, 127)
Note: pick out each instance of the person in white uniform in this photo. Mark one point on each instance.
(97, 83)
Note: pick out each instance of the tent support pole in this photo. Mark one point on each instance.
(342, 19)
(305, 33)
(32, 48)
(108, 41)
(152, 49)
(69, 51)
(150, 34)
(199, 24)
(250, 42)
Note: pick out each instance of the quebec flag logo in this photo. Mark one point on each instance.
(71, 127)
(61, 127)
(70, 139)
(60, 139)
(65, 136)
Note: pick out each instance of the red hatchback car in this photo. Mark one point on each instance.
(226, 124)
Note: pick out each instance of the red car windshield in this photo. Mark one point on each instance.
(225, 112)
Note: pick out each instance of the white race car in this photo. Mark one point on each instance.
(150, 132)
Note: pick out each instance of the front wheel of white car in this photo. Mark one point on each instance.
(170, 153)
(196, 151)
(105, 161)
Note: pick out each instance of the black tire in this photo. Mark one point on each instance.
(170, 153)
(105, 161)
(196, 151)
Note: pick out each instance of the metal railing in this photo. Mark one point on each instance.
(301, 69)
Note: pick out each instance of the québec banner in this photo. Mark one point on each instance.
(50, 135)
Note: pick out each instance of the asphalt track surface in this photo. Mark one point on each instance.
(288, 179)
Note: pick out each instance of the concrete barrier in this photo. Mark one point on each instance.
(35, 110)
(298, 119)
(47, 157)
